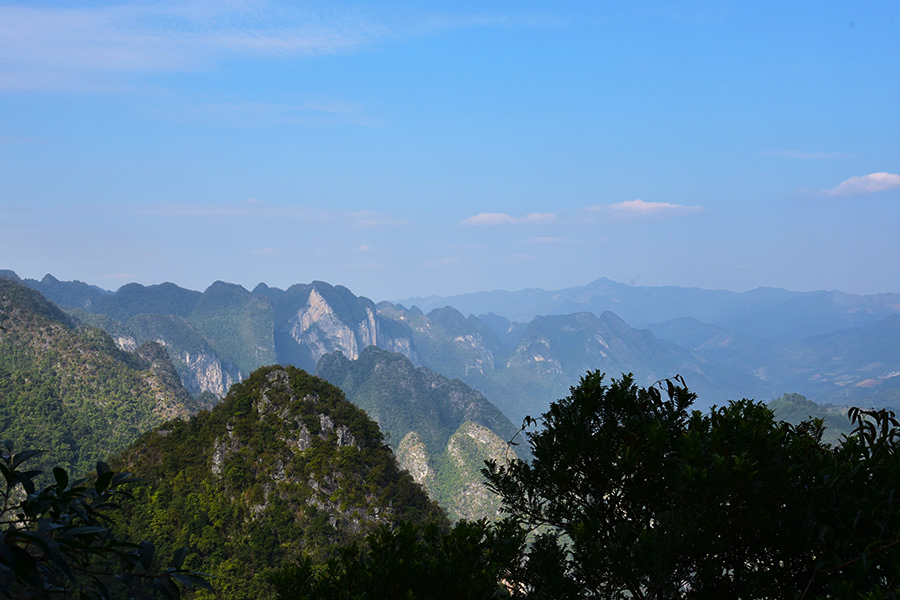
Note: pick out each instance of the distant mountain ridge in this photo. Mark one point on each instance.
(726, 345)
(770, 311)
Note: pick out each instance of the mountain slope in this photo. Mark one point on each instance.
(282, 468)
(69, 390)
(427, 418)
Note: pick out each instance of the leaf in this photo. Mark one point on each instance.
(147, 552)
(87, 530)
(103, 480)
(23, 456)
(167, 587)
(192, 580)
(62, 478)
(179, 556)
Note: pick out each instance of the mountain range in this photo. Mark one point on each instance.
(828, 346)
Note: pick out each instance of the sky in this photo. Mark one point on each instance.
(416, 148)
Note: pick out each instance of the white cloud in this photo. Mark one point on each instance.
(364, 248)
(86, 47)
(866, 184)
(505, 219)
(639, 208)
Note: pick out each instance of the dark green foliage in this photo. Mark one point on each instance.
(408, 561)
(284, 467)
(72, 392)
(646, 500)
(55, 541)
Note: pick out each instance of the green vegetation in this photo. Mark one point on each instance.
(55, 541)
(643, 499)
(71, 392)
(796, 408)
(238, 324)
(404, 398)
(467, 562)
(456, 429)
(283, 468)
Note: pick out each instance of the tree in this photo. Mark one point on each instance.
(56, 540)
(469, 561)
(643, 499)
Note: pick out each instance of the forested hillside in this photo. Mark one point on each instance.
(283, 468)
(68, 389)
(441, 430)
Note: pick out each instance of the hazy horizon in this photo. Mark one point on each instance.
(438, 149)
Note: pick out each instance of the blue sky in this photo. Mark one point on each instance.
(416, 148)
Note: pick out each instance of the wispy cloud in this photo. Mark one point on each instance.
(639, 208)
(505, 219)
(866, 184)
(800, 154)
(368, 218)
(267, 251)
(99, 48)
(260, 114)
(52, 47)
(250, 209)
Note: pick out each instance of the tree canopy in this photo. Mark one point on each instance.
(640, 498)
(55, 541)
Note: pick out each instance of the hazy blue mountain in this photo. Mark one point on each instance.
(852, 360)
(739, 351)
(764, 312)
(129, 300)
(555, 351)
(634, 304)
(858, 365)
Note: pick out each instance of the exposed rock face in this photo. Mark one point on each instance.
(125, 343)
(413, 456)
(317, 327)
(205, 372)
(467, 450)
